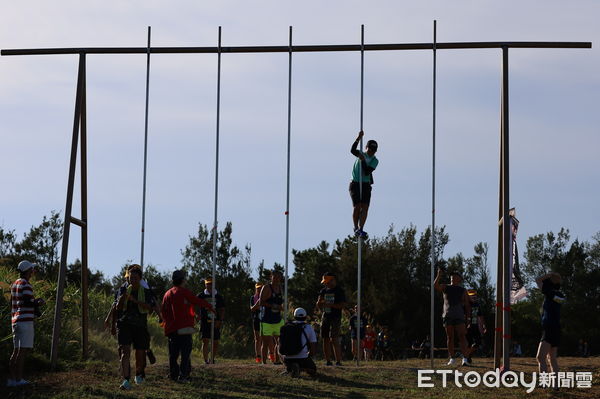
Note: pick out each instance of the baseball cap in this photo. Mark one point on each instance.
(299, 313)
(327, 277)
(472, 292)
(25, 265)
(178, 275)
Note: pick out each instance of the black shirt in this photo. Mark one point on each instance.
(205, 317)
(553, 299)
(332, 295)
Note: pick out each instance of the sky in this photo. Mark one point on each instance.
(554, 123)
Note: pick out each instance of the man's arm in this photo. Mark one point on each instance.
(194, 300)
(436, 284)
(353, 150)
(467, 306)
(540, 280)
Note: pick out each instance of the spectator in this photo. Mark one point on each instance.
(206, 320)
(353, 332)
(476, 326)
(255, 311)
(332, 300)
(550, 341)
(24, 309)
(307, 341)
(178, 314)
(369, 342)
(271, 303)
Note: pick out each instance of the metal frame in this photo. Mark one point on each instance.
(502, 340)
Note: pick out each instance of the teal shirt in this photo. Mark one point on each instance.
(371, 161)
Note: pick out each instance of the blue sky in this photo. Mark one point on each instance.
(554, 121)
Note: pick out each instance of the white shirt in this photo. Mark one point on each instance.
(312, 338)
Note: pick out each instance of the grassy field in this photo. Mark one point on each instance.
(242, 379)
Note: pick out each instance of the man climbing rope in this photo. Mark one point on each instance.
(362, 172)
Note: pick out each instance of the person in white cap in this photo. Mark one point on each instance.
(298, 343)
(24, 309)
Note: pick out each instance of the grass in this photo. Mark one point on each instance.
(230, 379)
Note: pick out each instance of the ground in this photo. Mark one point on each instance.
(230, 379)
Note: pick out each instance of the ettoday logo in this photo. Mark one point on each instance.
(510, 379)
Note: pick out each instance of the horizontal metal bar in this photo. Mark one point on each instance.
(297, 49)
(78, 222)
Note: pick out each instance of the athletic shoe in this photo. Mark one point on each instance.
(125, 385)
(151, 357)
(206, 362)
(451, 362)
(183, 380)
(138, 379)
(295, 373)
(465, 361)
(22, 383)
(363, 234)
(338, 364)
(357, 232)
(328, 363)
(11, 383)
(470, 361)
(258, 360)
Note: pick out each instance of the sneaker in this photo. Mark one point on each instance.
(183, 380)
(338, 364)
(138, 379)
(451, 362)
(258, 360)
(329, 363)
(465, 361)
(207, 362)
(295, 370)
(11, 383)
(151, 357)
(363, 234)
(21, 383)
(125, 385)
(357, 232)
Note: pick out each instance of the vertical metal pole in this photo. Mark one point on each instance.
(359, 279)
(214, 260)
(506, 231)
(67, 225)
(84, 226)
(498, 341)
(145, 148)
(433, 254)
(287, 206)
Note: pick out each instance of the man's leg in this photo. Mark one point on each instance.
(216, 349)
(462, 341)
(356, 215)
(174, 349)
(13, 365)
(205, 348)
(327, 348)
(125, 351)
(265, 348)
(364, 210)
(553, 357)
(185, 345)
(140, 362)
(450, 340)
(21, 355)
(337, 347)
(542, 354)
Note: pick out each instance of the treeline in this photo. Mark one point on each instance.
(395, 284)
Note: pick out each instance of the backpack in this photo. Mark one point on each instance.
(290, 338)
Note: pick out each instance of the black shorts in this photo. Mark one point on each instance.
(128, 334)
(355, 193)
(551, 334)
(474, 336)
(451, 321)
(256, 324)
(330, 327)
(205, 330)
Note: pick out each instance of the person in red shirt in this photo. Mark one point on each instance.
(369, 342)
(178, 314)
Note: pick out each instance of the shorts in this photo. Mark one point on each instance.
(551, 335)
(270, 329)
(23, 333)
(256, 324)
(452, 321)
(330, 327)
(128, 334)
(355, 193)
(205, 331)
(474, 337)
